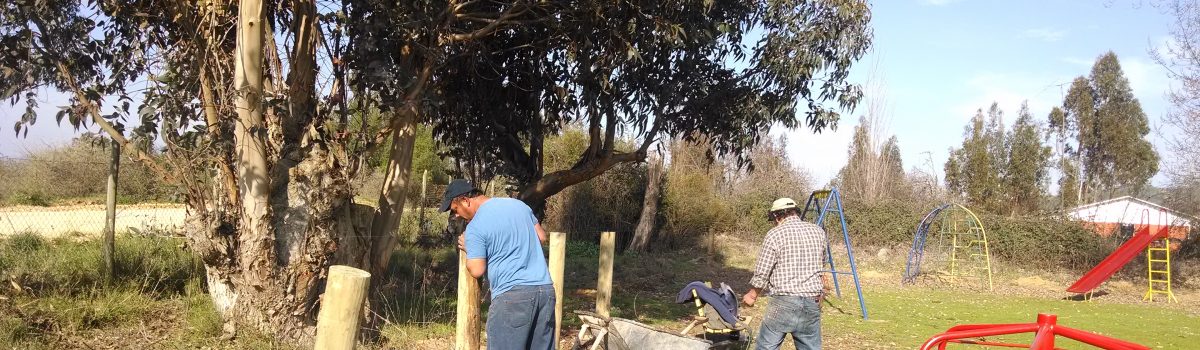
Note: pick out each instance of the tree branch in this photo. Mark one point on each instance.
(516, 10)
(140, 155)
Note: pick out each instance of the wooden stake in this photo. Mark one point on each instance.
(558, 255)
(110, 216)
(466, 334)
(341, 307)
(608, 243)
(421, 205)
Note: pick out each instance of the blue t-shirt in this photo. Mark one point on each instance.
(502, 232)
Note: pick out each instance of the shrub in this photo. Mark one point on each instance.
(75, 171)
(68, 267)
(609, 202)
(1036, 242)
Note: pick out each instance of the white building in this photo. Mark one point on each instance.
(1129, 213)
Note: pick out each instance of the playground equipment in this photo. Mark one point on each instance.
(1159, 269)
(959, 248)
(1046, 329)
(822, 203)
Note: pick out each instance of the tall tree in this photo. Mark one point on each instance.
(1113, 153)
(1181, 58)
(650, 69)
(1025, 176)
(1079, 106)
(975, 170)
(874, 170)
(648, 219)
(1063, 130)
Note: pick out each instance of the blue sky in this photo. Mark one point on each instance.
(934, 62)
(937, 61)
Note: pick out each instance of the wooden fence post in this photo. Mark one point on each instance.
(110, 215)
(466, 334)
(341, 307)
(608, 243)
(558, 255)
(421, 205)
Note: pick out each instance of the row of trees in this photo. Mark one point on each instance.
(999, 171)
(1097, 143)
(255, 102)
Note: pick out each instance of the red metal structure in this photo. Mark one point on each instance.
(1045, 330)
(1134, 246)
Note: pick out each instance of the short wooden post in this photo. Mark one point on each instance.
(466, 334)
(608, 243)
(341, 307)
(110, 215)
(558, 255)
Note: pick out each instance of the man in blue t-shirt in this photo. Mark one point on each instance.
(503, 239)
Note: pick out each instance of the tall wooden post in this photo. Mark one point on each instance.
(558, 255)
(110, 216)
(341, 307)
(466, 334)
(608, 243)
(421, 204)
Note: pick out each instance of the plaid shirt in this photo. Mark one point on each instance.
(789, 262)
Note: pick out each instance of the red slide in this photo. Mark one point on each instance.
(1126, 252)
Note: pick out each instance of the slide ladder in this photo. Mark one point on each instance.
(1158, 265)
(823, 203)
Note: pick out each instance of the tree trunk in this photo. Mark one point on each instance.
(266, 255)
(392, 195)
(645, 227)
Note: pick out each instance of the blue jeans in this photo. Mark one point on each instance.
(800, 316)
(522, 318)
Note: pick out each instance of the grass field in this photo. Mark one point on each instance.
(161, 305)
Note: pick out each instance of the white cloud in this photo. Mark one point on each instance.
(1045, 34)
(938, 2)
(1078, 61)
(1009, 90)
(1147, 78)
(822, 155)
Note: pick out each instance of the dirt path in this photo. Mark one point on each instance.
(88, 219)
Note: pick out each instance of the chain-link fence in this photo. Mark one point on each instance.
(421, 221)
(89, 220)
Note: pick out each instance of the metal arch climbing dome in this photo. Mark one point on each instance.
(950, 241)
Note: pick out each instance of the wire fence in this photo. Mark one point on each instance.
(421, 221)
(88, 220)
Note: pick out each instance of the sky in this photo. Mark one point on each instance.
(933, 63)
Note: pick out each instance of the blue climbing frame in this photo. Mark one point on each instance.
(820, 202)
(913, 266)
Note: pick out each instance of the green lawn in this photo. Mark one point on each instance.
(70, 308)
(905, 318)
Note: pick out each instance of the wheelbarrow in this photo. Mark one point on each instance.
(615, 333)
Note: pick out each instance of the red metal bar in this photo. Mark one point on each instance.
(1047, 328)
(966, 327)
(989, 343)
(1044, 340)
(976, 333)
(1098, 340)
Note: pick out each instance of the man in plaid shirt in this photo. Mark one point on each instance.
(789, 266)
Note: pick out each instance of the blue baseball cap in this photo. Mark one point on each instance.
(457, 187)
